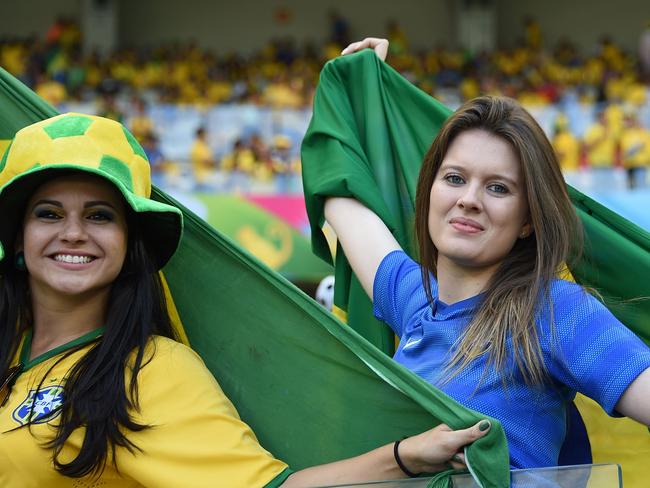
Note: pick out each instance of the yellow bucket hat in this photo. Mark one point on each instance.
(84, 143)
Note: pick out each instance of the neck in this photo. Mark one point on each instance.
(61, 320)
(456, 282)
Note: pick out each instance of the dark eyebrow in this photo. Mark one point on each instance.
(99, 203)
(94, 203)
(55, 203)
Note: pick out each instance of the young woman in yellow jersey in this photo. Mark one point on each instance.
(95, 389)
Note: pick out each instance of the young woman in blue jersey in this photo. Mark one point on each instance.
(482, 315)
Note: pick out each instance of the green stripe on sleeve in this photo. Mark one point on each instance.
(279, 479)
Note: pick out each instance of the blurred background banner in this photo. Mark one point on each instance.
(265, 227)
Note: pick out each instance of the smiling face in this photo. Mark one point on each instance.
(74, 237)
(477, 204)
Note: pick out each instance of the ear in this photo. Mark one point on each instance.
(526, 230)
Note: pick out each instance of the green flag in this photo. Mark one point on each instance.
(312, 389)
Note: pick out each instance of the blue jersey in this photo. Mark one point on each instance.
(589, 351)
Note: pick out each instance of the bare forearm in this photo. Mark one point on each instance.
(363, 235)
(428, 452)
(374, 465)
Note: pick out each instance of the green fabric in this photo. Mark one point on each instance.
(19, 106)
(75, 125)
(311, 388)
(279, 479)
(370, 131)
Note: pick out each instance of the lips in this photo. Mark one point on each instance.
(466, 225)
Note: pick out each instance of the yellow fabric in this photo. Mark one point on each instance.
(196, 440)
(4, 143)
(601, 147)
(172, 311)
(635, 147)
(617, 440)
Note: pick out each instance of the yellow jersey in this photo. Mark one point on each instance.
(196, 438)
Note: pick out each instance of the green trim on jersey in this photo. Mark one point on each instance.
(27, 348)
(279, 479)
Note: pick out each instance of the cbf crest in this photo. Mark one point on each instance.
(40, 406)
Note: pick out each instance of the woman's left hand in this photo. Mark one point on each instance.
(439, 448)
(380, 46)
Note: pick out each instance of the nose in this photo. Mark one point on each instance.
(470, 198)
(73, 230)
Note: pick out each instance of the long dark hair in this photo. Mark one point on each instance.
(97, 396)
(512, 295)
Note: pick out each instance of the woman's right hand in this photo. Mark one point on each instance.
(380, 46)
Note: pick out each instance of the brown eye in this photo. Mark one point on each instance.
(46, 213)
(101, 216)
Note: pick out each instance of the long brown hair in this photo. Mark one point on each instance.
(522, 281)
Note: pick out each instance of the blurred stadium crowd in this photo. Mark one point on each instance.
(229, 122)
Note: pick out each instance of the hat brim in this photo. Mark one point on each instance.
(161, 224)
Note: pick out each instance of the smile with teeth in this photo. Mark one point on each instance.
(69, 258)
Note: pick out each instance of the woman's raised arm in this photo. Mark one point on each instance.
(363, 235)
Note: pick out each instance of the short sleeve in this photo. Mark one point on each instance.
(398, 293)
(196, 438)
(600, 357)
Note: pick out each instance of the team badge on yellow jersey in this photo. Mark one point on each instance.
(40, 406)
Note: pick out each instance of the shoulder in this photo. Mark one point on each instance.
(167, 360)
(172, 373)
(161, 349)
(575, 310)
(568, 295)
(398, 264)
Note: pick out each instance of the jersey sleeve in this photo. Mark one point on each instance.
(195, 438)
(599, 356)
(398, 293)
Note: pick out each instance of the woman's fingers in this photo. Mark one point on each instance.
(457, 439)
(380, 46)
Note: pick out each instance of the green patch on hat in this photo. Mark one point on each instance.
(135, 145)
(72, 125)
(3, 161)
(118, 169)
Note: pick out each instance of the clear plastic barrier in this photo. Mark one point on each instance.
(584, 476)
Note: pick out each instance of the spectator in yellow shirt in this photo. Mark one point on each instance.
(635, 151)
(203, 162)
(566, 145)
